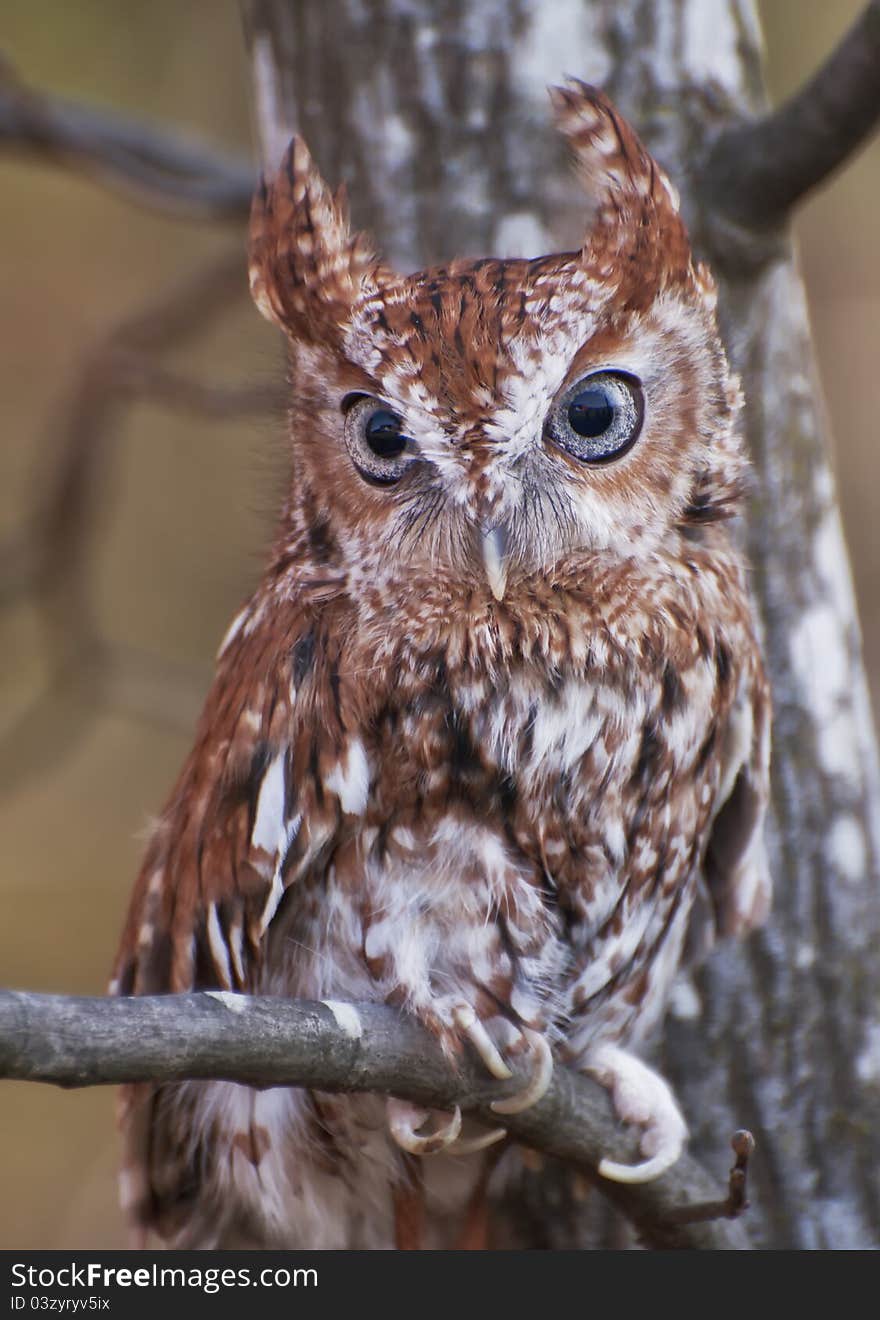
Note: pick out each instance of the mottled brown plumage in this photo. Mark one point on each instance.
(492, 720)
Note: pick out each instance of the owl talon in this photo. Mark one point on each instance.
(467, 1021)
(470, 1145)
(644, 1172)
(640, 1097)
(404, 1121)
(465, 1018)
(542, 1072)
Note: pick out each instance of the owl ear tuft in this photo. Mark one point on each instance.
(635, 206)
(307, 268)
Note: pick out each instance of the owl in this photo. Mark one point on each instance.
(492, 733)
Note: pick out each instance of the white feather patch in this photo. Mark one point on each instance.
(219, 950)
(232, 631)
(236, 947)
(350, 779)
(276, 893)
(269, 823)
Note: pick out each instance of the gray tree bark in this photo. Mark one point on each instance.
(435, 113)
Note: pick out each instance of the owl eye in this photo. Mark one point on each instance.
(375, 440)
(599, 417)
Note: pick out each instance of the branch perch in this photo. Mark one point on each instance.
(757, 172)
(72, 1041)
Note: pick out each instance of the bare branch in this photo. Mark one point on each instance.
(154, 383)
(115, 369)
(154, 168)
(363, 1047)
(736, 1201)
(757, 172)
(46, 556)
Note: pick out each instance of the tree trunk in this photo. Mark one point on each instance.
(435, 113)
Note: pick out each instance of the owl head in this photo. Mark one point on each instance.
(497, 419)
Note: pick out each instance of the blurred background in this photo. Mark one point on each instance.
(96, 710)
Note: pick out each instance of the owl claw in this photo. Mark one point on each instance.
(470, 1145)
(647, 1171)
(404, 1121)
(542, 1072)
(467, 1021)
(640, 1097)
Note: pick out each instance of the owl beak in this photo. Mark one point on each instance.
(494, 546)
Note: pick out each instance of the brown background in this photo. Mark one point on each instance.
(187, 506)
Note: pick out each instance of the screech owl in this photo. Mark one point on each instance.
(493, 726)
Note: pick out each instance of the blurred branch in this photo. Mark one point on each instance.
(149, 381)
(115, 371)
(46, 557)
(146, 164)
(261, 1041)
(757, 172)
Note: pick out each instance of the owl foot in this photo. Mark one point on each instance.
(467, 1022)
(542, 1072)
(641, 1097)
(470, 1145)
(405, 1120)
(542, 1060)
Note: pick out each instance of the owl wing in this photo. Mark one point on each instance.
(735, 874)
(266, 787)
(260, 801)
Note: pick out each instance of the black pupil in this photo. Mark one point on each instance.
(591, 412)
(383, 434)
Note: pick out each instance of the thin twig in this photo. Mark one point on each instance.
(736, 1201)
(757, 172)
(335, 1047)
